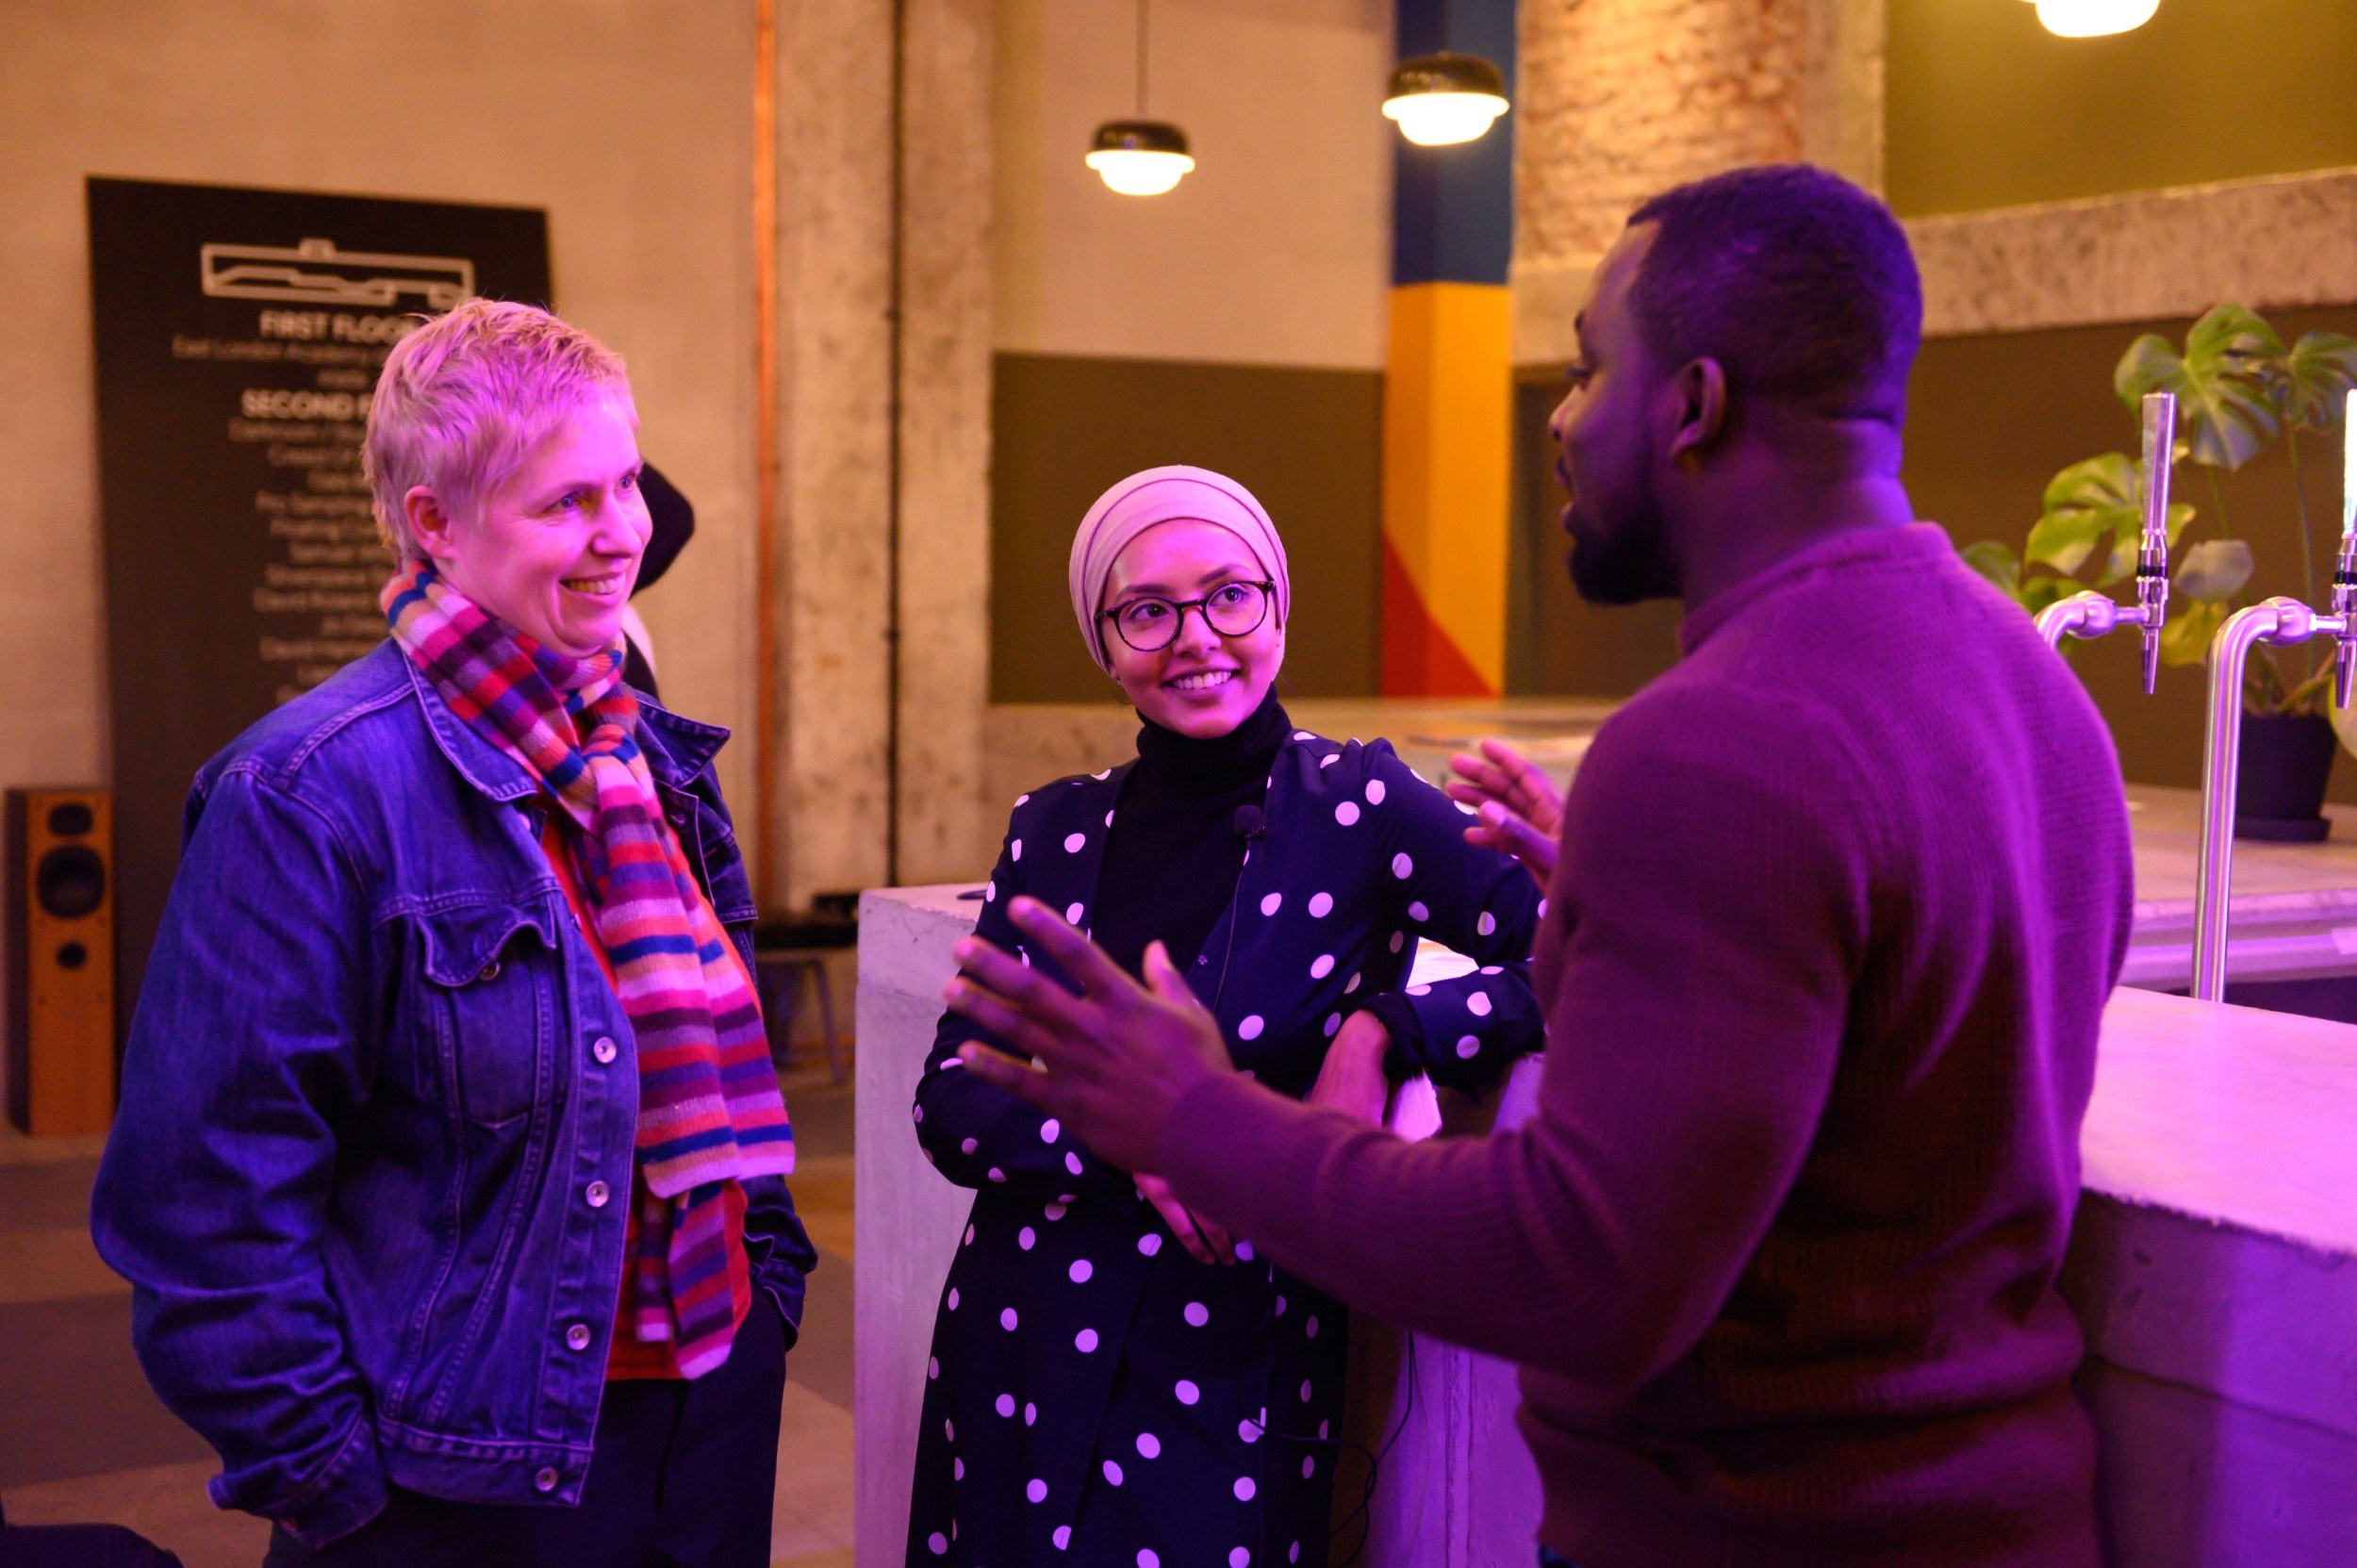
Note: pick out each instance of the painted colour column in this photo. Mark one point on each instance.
(1449, 384)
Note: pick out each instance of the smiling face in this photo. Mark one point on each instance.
(553, 552)
(1609, 463)
(1203, 684)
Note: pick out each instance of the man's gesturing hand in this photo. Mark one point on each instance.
(1520, 810)
(1112, 1060)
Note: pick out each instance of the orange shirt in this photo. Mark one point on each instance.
(631, 1357)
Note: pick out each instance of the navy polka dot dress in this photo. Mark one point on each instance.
(1094, 1396)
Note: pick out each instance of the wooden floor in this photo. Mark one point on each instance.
(82, 1439)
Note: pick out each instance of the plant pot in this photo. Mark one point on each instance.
(2279, 784)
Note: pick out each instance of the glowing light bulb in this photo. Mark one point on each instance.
(2094, 18)
(1440, 100)
(1140, 157)
(1443, 119)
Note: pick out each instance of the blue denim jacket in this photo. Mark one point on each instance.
(369, 1175)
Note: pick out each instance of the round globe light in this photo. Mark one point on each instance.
(2094, 18)
(1140, 157)
(1442, 100)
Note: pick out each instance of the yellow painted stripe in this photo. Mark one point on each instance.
(1448, 408)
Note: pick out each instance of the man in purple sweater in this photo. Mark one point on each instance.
(1838, 903)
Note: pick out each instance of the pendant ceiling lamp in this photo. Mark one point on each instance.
(1140, 157)
(1443, 99)
(2094, 18)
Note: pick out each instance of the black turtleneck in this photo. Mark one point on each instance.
(1172, 854)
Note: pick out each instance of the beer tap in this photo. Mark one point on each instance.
(2284, 623)
(2094, 615)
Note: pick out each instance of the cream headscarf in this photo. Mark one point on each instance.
(1165, 495)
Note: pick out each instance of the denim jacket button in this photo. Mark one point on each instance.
(490, 971)
(680, 816)
(578, 1338)
(597, 1195)
(546, 1480)
(603, 1049)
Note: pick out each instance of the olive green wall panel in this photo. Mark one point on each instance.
(1985, 108)
(1307, 442)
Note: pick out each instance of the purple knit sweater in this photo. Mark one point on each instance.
(1840, 900)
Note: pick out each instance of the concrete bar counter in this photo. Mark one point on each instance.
(2213, 1266)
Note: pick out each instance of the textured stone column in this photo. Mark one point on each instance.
(828, 813)
(1619, 99)
(942, 828)
(870, 743)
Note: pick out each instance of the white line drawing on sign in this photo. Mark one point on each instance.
(316, 273)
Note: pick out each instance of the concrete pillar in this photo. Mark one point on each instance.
(880, 560)
(1624, 98)
(943, 687)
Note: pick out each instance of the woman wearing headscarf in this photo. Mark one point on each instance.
(1113, 1381)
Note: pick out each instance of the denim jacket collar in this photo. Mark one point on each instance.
(678, 749)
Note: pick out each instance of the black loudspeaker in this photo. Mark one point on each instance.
(61, 960)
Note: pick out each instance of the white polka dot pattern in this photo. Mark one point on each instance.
(1150, 1244)
(1085, 1341)
(1321, 965)
(1375, 792)
(1062, 1538)
(1037, 1491)
(954, 1298)
(1187, 1394)
(1246, 1489)
(1479, 1004)
(1049, 1131)
(937, 1543)
(1025, 1237)
(1016, 848)
(1005, 1405)
(969, 1146)
(1272, 903)
(1347, 813)
(1197, 1315)
(1112, 1473)
(1321, 905)
(1333, 1025)
(1468, 1047)
(1007, 1319)
(1080, 1270)
(1403, 865)
(1072, 915)
(1149, 1446)
(1420, 989)
(1486, 925)
(1417, 911)
(1250, 1029)
(1072, 1163)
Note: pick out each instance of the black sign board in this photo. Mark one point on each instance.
(238, 337)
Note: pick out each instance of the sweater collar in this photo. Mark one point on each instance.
(1851, 546)
(1222, 762)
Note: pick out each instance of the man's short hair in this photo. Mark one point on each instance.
(1799, 284)
(466, 399)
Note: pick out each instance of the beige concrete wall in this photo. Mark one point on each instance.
(627, 120)
(1274, 251)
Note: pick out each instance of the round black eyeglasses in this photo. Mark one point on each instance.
(1231, 610)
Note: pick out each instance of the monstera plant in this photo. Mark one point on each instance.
(2241, 391)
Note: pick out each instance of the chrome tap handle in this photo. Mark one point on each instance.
(2160, 446)
(2345, 566)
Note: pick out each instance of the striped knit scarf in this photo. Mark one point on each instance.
(709, 1109)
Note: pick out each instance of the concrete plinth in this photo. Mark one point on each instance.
(2215, 1268)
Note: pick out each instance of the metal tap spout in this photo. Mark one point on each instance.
(2345, 566)
(2094, 615)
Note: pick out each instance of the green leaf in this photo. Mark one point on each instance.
(2085, 502)
(1998, 563)
(2038, 592)
(2214, 570)
(2186, 637)
(2313, 379)
(2224, 382)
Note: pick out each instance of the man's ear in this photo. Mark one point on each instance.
(429, 524)
(1701, 392)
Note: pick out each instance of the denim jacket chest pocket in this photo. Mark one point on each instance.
(489, 981)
